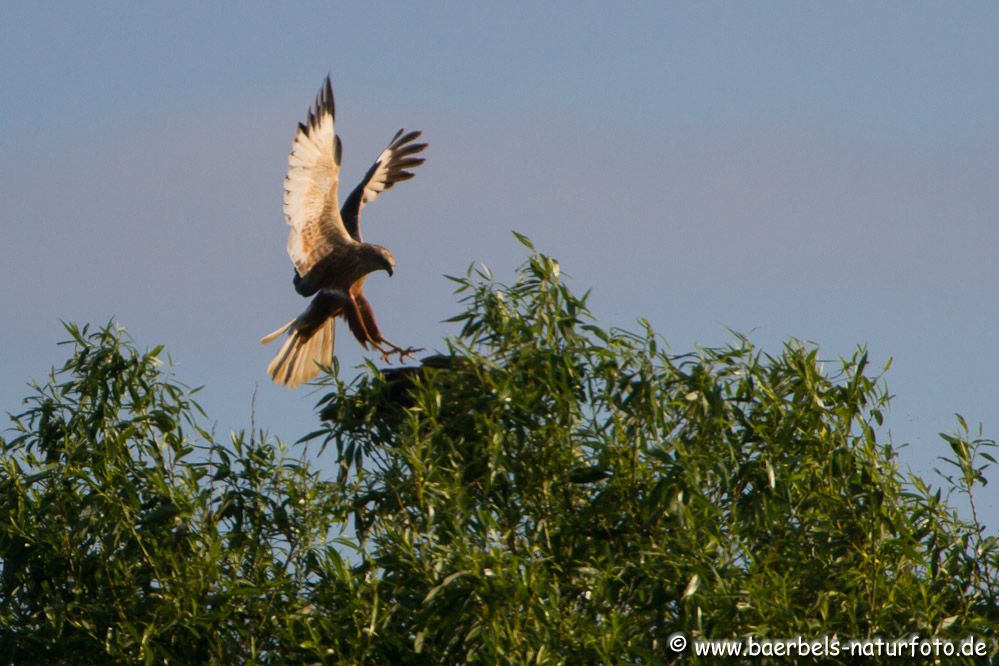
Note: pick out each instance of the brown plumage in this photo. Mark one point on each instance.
(331, 259)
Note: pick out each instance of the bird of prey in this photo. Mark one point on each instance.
(325, 245)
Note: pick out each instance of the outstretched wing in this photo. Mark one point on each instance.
(310, 189)
(390, 168)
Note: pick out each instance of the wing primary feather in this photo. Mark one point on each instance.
(406, 139)
(329, 96)
(409, 162)
(409, 150)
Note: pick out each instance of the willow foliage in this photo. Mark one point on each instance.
(548, 491)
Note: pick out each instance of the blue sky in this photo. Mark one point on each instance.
(825, 171)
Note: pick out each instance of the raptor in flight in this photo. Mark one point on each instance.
(330, 257)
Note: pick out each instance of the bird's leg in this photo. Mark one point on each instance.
(394, 349)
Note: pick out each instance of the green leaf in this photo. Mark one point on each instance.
(524, 240)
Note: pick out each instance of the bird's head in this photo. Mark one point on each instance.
(380, 259)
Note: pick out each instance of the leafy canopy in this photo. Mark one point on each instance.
(548, 491)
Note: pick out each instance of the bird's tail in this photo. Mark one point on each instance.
(306, 348)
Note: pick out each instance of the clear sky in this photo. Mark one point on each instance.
(825, 171)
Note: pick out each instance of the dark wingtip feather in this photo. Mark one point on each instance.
(405, 139)
(324, 103)
(409, 162)
(329, 96)
(410, 149)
